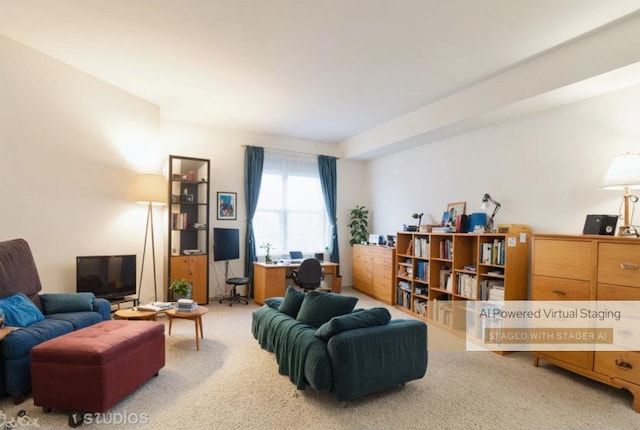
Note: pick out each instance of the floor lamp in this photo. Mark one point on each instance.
(150, 190)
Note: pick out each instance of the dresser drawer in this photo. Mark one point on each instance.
(619, 264)
(617, 292)
(546, 288)
(563, 258)
(575, 358)
(619, 364)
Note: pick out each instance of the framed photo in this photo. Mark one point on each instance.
(454, 210)
(227, 208)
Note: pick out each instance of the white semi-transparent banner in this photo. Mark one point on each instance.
(535, 325)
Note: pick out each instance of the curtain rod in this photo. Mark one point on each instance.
(292, 152)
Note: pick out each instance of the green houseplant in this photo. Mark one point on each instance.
(267, 247)
(181, 289)
(358, 225)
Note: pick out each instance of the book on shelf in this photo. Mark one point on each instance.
(492, 289)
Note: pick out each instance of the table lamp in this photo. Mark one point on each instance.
(485, 205)
(624, 174)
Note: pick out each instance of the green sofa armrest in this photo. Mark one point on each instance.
(371, 359)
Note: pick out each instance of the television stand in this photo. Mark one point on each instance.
(118, 303)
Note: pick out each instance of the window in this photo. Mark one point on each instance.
(291, 212)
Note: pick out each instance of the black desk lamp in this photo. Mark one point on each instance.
(485, 205)
(418, 217)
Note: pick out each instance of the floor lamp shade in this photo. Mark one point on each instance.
(150, 189)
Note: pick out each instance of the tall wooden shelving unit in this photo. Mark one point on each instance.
(189, 224)
(436, 273)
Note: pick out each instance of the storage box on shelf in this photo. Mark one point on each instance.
(436, 273)
(590, 268)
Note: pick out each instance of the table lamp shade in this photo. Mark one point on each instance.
(624, 172)
(150, 189)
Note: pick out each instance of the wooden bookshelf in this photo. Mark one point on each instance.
(436, 273)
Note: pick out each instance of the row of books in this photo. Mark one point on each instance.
(441, 311)
(423, 270)
(403, 297)
(492, 289)
(446, 249)
(493, 252)
(467, 285)
(420, 307)
(421, 247)
(179, 221)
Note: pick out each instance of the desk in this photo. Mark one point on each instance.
(270, 280)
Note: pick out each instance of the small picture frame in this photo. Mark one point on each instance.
(455, 209)
(227, 208)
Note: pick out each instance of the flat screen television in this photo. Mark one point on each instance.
(226, 244)
(108, 276)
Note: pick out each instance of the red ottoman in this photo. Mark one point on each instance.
(92, 369)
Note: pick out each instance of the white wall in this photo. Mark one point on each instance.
(546, 169)
(70, 147)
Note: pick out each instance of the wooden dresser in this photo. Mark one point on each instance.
(590, 268)
(373, 271)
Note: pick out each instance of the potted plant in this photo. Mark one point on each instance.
(358, 225)
(181, 289)
(267, 247)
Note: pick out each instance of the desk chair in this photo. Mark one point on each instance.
(235, 297)
(309, 275)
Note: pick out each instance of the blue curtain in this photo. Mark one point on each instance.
(253, 162)
(328, 181)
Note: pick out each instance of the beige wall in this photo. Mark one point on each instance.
(66, 145)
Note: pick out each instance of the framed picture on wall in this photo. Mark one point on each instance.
(227, 205)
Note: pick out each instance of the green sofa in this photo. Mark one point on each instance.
(319, 340)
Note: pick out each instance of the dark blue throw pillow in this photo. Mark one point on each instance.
(292, 301)
(357, 319)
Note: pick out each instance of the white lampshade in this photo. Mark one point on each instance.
(624, 172)
(150, 188)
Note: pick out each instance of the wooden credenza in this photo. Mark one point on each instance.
(373, 271)
(193, 269)
(590, 268)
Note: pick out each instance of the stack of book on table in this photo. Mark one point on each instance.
(155, 306)
(186, 305)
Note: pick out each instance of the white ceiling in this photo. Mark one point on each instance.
(323, 70)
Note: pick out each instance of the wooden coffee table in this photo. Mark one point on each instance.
(135, 314)
(195, 315)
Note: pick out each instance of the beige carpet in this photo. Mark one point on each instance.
(232, 384)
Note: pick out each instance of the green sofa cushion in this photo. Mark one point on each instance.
(66, 302)
(274, 302)
(360, 319)
(19, 311)
(318, 308)
(292, 301)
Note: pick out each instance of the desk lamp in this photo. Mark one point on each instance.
(485, 205)
(151, 190)
(624, 174)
